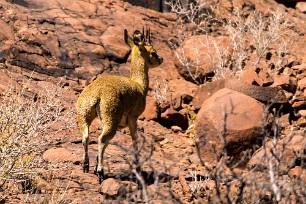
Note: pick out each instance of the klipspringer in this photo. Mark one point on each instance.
(117, 101)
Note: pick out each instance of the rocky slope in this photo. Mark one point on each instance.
(72, 42)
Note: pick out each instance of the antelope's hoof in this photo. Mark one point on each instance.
(85, 167)
(100, 176)
(95, 169)
(96, 166)
(138, 169)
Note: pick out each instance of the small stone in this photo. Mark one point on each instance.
(287, 71)
(111, 187)
(281, 80)
(176, 129)
(175, 118)
(302, 113)
(165, 141)
(297, 173)
(301, 6)
(302, 84)
(283, 121)
(60, 155)
(298, 104)
(299, 67)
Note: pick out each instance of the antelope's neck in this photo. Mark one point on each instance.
(139, 70)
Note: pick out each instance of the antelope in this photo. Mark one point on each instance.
(117, 101)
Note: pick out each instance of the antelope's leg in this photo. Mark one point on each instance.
(85, 142)
(132, 122)
(107, 134)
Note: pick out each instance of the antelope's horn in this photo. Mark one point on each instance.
(143, 33)
(149, 36)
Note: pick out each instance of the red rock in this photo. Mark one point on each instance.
(298, 173)
(173, 117)
(299, 67)
(112, 187)
(182, 90)
(264, 78)
(243, 123)
(6, 31)
(60, 155)
(80, 7)
(302, 113)
(293, 82)
(298, 104)
(49, 42)
(301, 6)
(97, 24)
(287, 1)
(151, 110)
(112, 40)
(6, 81)
(291, 146)
(176, 129)
(283, 81)
(72, 36)
(302, 84)
(249, 76)
(259, 78)
(288, 71)
(284, 121)
(150, 4)
(264, 94)
(70, 39)
(195, 53)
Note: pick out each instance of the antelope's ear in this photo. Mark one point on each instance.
(138, 38)
(128, 39)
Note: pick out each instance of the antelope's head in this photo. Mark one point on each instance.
(143, 43)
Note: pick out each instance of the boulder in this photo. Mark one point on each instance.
(263, 94)
(193, 59)
(231, 117)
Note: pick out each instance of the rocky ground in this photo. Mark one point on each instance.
(186, 158)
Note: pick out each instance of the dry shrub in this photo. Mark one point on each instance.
(25, 121)
(251, 37)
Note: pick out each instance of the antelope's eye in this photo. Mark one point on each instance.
(154, 54)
